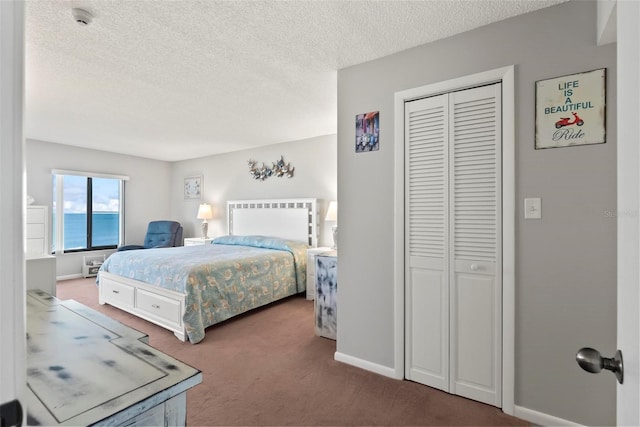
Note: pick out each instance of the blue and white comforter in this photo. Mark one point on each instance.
(231, 276)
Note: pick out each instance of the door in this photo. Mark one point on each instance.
(453, 234)
(12, 290)
(628, 36)
(475, 231)
(427, 239)
(626, 361)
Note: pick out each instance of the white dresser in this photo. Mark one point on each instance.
(40, 264)
(311, 270)
(37, 233)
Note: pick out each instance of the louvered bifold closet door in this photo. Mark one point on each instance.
(427, 241)
(475, 227)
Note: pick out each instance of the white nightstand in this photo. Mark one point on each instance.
(311, 269)
(193, 241)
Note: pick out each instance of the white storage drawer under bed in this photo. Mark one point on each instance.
(117, 292)
(159, 306)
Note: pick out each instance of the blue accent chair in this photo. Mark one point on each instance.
(160, 234)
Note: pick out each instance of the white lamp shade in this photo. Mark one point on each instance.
(332, 212)
(204, 211)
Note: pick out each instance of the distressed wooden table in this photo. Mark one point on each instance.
(84, 368)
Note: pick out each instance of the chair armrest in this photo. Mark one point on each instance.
(130, 247)
(164, 245)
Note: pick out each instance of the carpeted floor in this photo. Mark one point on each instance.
(267, 368)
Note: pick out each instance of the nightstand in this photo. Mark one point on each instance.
(193, 241)
(311, 270)
(326, 302)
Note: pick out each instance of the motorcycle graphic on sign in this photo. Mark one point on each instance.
(566, 121)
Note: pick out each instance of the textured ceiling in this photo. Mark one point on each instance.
(179, 79)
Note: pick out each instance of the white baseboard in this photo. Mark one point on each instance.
(540, 418)
(366, 365)
(69, 277)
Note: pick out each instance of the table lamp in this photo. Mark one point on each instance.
(332, 215)
(205, 213)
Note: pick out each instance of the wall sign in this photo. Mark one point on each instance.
(570, 110)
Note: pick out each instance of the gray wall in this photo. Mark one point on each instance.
(565, 263)
(147, 193)
(226, 177)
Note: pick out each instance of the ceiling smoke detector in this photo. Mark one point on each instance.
(81, 16)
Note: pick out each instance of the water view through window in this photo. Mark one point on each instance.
(87, 226)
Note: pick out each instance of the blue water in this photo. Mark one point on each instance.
(105, 230)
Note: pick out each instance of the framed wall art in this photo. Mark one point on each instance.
(193, 187)
(368, 132)
(571, 110)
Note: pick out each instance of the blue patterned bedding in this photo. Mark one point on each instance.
(231, 276)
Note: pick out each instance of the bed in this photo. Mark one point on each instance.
(187, 289)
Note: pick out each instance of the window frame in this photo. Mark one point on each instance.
(58, 183)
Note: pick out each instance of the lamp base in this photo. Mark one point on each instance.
(334, 229)
(205, 229)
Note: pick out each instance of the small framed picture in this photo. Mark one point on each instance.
(193, 187)
(368, 132)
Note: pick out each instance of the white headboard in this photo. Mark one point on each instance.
(294, 219)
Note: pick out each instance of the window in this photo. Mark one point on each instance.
(88, 211)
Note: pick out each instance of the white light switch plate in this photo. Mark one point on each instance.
(532, 208)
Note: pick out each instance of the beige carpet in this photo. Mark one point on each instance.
(267, 368)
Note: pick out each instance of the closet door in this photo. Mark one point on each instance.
(475, 226)
(453, 234)
(427, 241)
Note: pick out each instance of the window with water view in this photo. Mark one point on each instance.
(90, 211)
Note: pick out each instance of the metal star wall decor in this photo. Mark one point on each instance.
(278, 168)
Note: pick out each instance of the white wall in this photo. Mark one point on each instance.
(147, 193)
(226, 177)
(155, 188)
(565, 262)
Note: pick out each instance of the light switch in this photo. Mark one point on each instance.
(532, 208)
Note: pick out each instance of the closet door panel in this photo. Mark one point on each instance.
(430, 364)
(427, 241)
(475, 346)
(475, 228)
